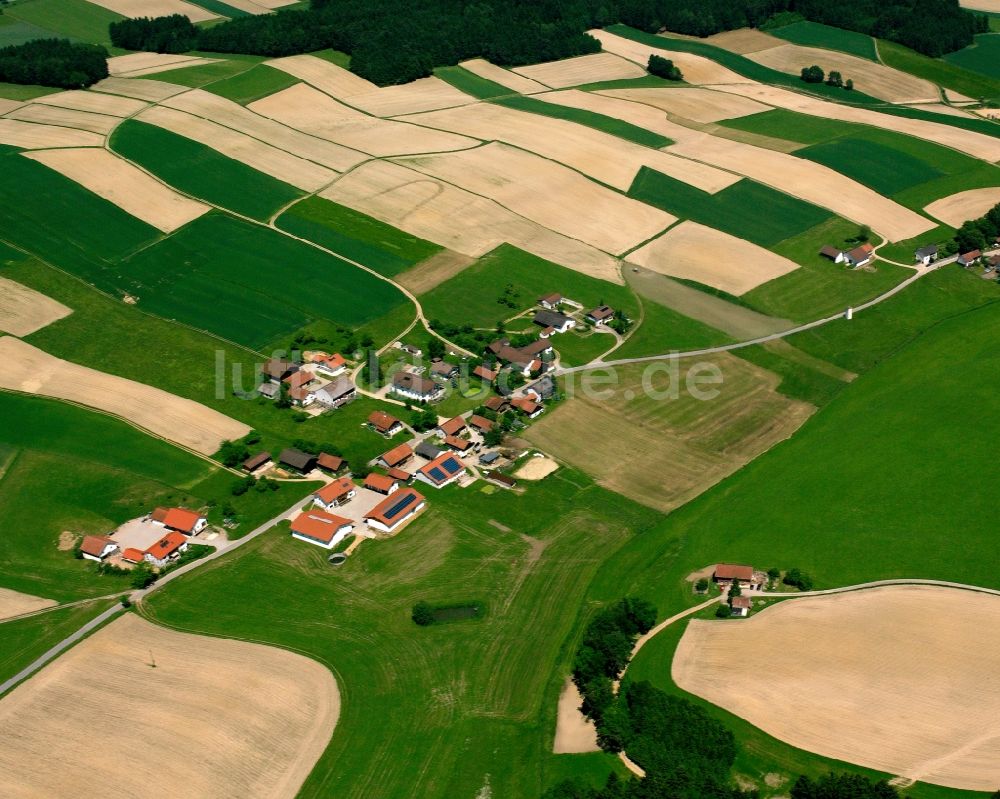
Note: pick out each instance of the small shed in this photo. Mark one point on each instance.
(297, 459)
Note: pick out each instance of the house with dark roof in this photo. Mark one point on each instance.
(321, 528)
(182, 520)
(380, 483)
(501, 479)
(427, 451)
(488, 458)
(444, 369)
(550, 301)
(926, 255)
(444, 469)
(392, 512)
(860, 256)
(384, 424)
(415, 387)
(97, 547)
(542, 389)
(335, 494)
(258, 461)
(835, 254)
(600, 315)
(277, 369)
(396, 456)
(559, 322)
(297, 460)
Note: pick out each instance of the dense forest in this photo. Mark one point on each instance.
(53, 62)
(390, 45)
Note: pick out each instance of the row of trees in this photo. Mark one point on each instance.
(54, 62)
(979, 234)
(815, 74)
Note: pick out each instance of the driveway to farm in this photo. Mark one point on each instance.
(138, 596)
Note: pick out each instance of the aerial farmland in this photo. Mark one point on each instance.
(545, 401)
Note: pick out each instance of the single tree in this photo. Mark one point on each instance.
(813, 74)
(423, 614)
(835, 79)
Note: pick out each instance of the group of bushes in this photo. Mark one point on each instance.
(54, 62)
(815, 74)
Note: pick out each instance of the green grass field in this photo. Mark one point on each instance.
(606, 124)
(473, 698)
(576, 349)
(982, 57)
(471, 83)
(71, 19)
(251, 84)
(205, 75)
(222, 9)
(250, 284)
(936, 70)
(471, 296)
(815, 34)
(355, 235)
(201, 171)
(865, 160)
(747, 209)
(16, 91)
(664, 330)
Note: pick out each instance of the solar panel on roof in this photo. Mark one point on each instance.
(437, 474)
(451, 465)
(400, 506)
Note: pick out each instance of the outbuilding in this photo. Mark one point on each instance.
(297, 460)
(380, 483)
(321, 528)
(444, 469)
(391, 513)
(335, 494)
(182, 520)
(97, 547)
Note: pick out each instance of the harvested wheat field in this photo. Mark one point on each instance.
(65, 117)
(582, 69)
(709, 256)
(941, 108)
(156, 8)
(575, 733)
(139, 88)
(536, 468)
(700, 105)
(992, 6)
(424, 94)
(307, 109)
(598, 155)
(978, 145)
(505, 77)
(328, 78)
(6, 106)
(958, 208)
(35, 136)
(24, 310)
(95, 103)
(125, 185)
(548, 193)
(258, 6)
(183, 421)
(434, 271)
(663, 449)
(138, 711)
(744, 40)
(136, 64)
(901, 679)
(457, 219)
(241, 147)
(14, 603)
(697, 69)
(877, 80)
(232, 115)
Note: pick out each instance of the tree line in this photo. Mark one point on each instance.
(391, 45)
(979, 234)
(53, 62)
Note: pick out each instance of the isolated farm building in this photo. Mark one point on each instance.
(444, 369)
(444, 469)
(542, 389)
(393, 511)
(501, 479)
(969, 258)
(332, 365)
(740, 606)
(321, 528)
(182, 520)
(528, 407)
(600, 315)
(409, 349)
(550, 301)
(166, 549)
(333, 395)
(97, 547)
(427, 451)
(278, 369)
(258, 461)
(559, 322)
(485, 374)
(452, 427)
(726, 573)
(458, 444)
(335, 494)
(480, 423)
(926, 255)
(496, 404)
(133, 555)
(297, 459)
(330, 463)
(488, 458)
(380, 483)
(383, 423)
(269, 390)
(415, 387)
(860, 256)
(400, 476)
(835, 254)
(396, 456)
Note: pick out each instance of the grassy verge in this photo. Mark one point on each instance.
(473, 84)
(664, 330)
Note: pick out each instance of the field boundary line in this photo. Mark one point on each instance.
(64, 605)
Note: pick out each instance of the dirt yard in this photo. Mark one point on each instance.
(125, 185)
(536, 468)
(548, 193)
(700, 105)
(308, 109)
(505, 77)
(32, 371)
(32, 136)
(575, 733)
(696, 252)
(156, 8)
(580, 70)
(663, 450)
(65, 117)
(899, 679)
(14, 603)
(24, 310)
(138, 711)
(958, 208)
